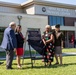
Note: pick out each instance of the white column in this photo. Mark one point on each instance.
(75, 30)
(67, 40)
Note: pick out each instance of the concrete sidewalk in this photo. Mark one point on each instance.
(25, 57)
(69, 54)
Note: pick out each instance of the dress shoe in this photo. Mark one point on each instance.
(56, 63)
(9, 68)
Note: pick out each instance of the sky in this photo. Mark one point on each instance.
(73, 2)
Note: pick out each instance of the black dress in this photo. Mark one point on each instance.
(49, 48)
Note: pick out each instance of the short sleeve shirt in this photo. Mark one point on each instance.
(58, 37)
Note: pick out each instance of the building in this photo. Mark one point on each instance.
(37, 14)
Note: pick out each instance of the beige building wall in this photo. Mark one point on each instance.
(10, 10)
(5, 19)
(32, 21)
(30, 10)
(27, 21)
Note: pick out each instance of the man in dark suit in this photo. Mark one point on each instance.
(9, 43)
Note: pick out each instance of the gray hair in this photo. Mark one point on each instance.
(12, 24)
(48, 26)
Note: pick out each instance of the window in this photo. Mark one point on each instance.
(62, 21)
(53, 20)
(58, 20)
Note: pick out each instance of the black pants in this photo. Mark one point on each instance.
(9, 58)
(74, 45)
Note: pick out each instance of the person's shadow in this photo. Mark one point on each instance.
(35, 66)
(43, 66)
(1, 63)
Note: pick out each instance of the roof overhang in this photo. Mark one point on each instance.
(38, 2)
(48, 3)
(66, 28)
(8, 4)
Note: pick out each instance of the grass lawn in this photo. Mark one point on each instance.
(69, 50)
(68, 67)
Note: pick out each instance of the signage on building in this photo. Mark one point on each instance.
(43, 9)
(47, 10)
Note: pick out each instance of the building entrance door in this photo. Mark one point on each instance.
(69, 39)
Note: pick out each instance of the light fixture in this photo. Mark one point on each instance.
(19, 18)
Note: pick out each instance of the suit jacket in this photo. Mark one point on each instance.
(20, 40)
(9, 40)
